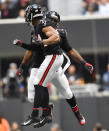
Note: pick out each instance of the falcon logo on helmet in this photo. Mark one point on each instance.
(33, 12)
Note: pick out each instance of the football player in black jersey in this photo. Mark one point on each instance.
(52, 61)
(77, 57)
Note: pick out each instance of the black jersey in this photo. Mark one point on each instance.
(64, 41)
(50, 49)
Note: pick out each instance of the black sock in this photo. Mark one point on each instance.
(38, 99)
(73, 104)
(41, 99)
(46, 108)
(46, 98)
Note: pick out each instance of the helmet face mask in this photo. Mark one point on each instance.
(33, 12)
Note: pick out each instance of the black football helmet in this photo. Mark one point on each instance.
(33, 12)
(53, 15)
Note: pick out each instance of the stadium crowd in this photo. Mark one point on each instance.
(16, 8)
(96, 7)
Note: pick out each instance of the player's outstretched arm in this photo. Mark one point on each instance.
(52, 34)
(23, 64)
(72, 52)
(32, 47)
(78, 58)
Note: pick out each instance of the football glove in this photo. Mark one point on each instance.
(88, 66)
(20, 70)
(19, 74)
(17, 42)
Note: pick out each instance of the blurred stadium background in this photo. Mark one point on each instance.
(86, 22)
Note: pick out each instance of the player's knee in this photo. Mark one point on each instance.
(31, 94)
(69, 95)
(36, 82)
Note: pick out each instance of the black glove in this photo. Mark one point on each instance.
(88, 66)
(17, 42)
(20, 71)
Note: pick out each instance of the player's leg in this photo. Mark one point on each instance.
(44, 75)
(31, 92)
(69, 96)
(30, 86)
(64, 88)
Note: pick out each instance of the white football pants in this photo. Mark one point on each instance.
(49, 69)
(64, 89)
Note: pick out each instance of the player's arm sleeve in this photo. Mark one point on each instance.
(32, 47)
(65, 45)
(64, 41)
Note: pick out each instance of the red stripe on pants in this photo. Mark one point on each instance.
(47, 70)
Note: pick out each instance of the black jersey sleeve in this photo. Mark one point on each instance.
(64, 41)
(32, 47)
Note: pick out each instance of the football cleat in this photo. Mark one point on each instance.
(45, 119)
(30, 120)
(80, 118)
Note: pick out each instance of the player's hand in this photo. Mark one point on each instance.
(36, 40)
(17, 42)
(89, 67)
(19, 73)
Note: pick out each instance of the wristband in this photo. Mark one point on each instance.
(20, 42)
(83, 63)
